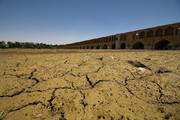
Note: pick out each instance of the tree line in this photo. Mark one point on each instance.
(26, 45)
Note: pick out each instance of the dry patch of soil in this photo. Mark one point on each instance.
(89, 85)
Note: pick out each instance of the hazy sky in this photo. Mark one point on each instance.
(67, 21)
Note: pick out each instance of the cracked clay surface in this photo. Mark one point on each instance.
(90, 86)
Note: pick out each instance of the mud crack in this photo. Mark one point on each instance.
(66, 73)
(62, 116)
(90, 83)
(52, 98)
(17, 64)
(99, 68)
(65, 61)
(81, 63)
(23, 89)
(150, 102)
(160, 89)
(33, 103)
(138, 64)
(31, 74)
(51, 106)
(82, 101)
(17, 93)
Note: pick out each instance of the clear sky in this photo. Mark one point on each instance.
(67, 21)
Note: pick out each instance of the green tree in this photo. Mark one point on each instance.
(10, 44)
(17, 45)
(2, 46)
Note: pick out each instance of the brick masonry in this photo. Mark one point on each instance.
(160, 37)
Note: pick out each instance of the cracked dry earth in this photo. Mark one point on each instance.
(90, 86)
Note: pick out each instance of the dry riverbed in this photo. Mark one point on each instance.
(89, 85)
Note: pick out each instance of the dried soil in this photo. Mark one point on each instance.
(89, 85)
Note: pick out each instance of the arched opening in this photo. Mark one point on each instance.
(97, 47)
(123, 37)
(138, 45)
(169, 31)
(163, 45)
(123, 46)
(113, 46)
(105, 46)
(159, 32)
(135, 35)
(150, 34)
(108, 40)
(92, 47)
(177, 31)
(87, 47)
(142, 35)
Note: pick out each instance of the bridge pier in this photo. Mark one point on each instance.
(117, 41)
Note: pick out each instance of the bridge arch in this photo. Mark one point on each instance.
(159, 32)
(169, 31)
(92, 47)
(105, 46)
(138, 45)
(163, 45)
(142, 35)
(97, 47)
(113, 46)
(177, 31)
(150, 34)
(123, 46)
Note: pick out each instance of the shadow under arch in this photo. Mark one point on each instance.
(97, 47)
(123, 46)
(113, 46)
(105, 46)
(163, 45)
(92, 47)
(138, 45)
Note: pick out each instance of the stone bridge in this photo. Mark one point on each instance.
(160, 37)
